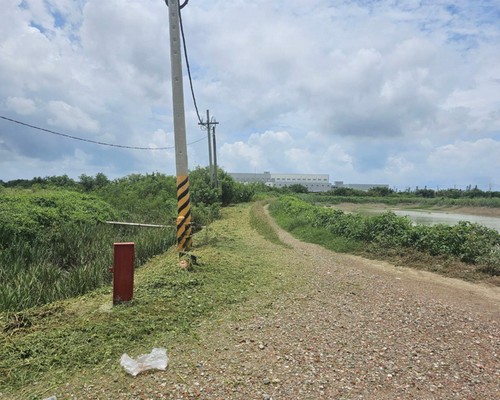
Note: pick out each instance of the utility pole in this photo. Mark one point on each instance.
(215, 157)
(211, 166)
(181, 162)
(208, 124)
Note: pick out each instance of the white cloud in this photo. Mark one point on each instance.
(67, 116)
(361, 90)
(467, 161)
(21, 105)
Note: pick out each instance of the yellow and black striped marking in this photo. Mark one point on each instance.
(184, 238)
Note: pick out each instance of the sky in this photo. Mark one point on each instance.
(400, 92)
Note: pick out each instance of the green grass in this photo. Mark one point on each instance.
(469, 251)
(80, 340)
(319, 235)
(328, 240)
(54, 246)
(71, 262)
(260, 222)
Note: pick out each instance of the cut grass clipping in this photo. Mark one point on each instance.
(81, 340)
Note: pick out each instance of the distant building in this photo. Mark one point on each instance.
(313, 182)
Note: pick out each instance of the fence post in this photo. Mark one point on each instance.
(123, 272)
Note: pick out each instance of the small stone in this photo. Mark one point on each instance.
(267, 381)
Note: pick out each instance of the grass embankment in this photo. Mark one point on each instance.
(53, 245)
(80, 341)
(466, 251)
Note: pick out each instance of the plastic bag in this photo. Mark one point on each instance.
(157, 359)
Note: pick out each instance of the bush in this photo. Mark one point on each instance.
(141, 198)
(471, 243)
(53, 246)
(26, 215)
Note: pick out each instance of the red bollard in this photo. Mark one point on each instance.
(123, 272)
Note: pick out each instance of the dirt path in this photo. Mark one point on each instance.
(358, 329)
(353, 329)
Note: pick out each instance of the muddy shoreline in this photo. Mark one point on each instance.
(481, 211)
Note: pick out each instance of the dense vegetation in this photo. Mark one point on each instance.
(423, 197)
(467, 242)
(60, 349)
(53, 243)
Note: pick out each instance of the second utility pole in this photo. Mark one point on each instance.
(208, 124)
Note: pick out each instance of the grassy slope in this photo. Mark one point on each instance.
(59, 348)
(446, 266)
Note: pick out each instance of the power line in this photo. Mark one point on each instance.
(92, 141)
(187, 61)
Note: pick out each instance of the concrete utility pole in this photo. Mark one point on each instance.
(208, 124)
(181, 162)
(210, 151)
(215, 157)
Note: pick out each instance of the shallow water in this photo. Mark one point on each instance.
(433, 218)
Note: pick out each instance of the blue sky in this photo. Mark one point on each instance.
(399, 92)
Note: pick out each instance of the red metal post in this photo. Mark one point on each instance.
(123, 272)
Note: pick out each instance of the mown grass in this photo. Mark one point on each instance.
(80, 341)
(260, 222)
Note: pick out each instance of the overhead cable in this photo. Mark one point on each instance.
(90, 140)
(180, 6)
(187, 61)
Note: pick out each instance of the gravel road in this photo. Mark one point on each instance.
(356, 329)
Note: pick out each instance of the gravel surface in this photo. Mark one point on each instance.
(356, 329)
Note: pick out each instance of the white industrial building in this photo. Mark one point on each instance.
(313, 182)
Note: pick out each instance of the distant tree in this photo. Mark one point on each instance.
(380, 191)
(449, 193)
(344, 191)
(19, 183)
(100, 180)
(427, 193)
(86, 182)
(63, 181)
(298, 188)
(472, 193)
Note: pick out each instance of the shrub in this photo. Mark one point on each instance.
(471, 243)
(26, 215)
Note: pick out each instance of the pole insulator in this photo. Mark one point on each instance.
(181, 6)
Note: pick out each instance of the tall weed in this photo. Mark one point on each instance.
(69, 261)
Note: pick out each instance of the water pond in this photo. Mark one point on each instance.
(435, 217)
